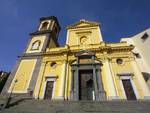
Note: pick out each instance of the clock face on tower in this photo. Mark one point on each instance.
(36, 45)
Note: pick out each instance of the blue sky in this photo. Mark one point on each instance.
(18, 18)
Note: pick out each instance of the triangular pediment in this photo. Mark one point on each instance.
(83, 23)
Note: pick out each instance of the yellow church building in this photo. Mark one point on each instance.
(85, 68)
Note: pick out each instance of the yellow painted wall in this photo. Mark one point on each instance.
(23, 76)
(47, 71)
(52, 43)
(92, 36)
(124, 68)
(40, 38)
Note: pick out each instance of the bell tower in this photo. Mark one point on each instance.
(49, 24)
(45, 37)
(28, 64)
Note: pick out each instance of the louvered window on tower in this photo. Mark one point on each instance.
(44, 26)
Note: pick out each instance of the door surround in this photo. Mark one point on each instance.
(49, 78)
(130, 77)
(88, 62)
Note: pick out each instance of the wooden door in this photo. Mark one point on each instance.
(49, 90)
(128, 89)
(86, 87)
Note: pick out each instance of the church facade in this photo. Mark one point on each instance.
(85, 68)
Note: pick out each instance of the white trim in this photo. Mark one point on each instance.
(42, 24)
(67, 40)
(124, 95)
(66, 83)
(114, 82)
(132, 83)
(52, 25)
(18, 91)
(100, 35)
(48, 24)
(61, 88)
(46, 80)
(110, 80)
(93, 95)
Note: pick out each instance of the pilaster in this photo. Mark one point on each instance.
(111, 86)
(141, 81)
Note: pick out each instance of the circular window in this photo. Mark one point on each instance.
(53, 64)
(119, 61)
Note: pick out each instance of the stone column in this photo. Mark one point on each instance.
(72, 85)
(95, 84)
(141, 81)
(110, 82)
(76, 86)
(101, 92)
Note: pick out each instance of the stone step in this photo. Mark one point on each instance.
(46, 106)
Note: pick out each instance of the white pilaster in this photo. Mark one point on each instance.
(67, 40)
(62, 86)
(141, 81)
(66, 83)
(110, 82)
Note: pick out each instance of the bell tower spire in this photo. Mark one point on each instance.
(46, 36)
(49, 24)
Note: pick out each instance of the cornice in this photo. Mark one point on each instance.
(40, 32)
(89, 24)
(107, 49)
(76, 27)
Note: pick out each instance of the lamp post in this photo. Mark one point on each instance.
(9, 97)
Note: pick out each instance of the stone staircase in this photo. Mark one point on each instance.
(47, 106)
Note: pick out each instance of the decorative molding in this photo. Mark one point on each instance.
(83, 32)
(122, 74)
(49, 78)
(89, 24)
(133, 85)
